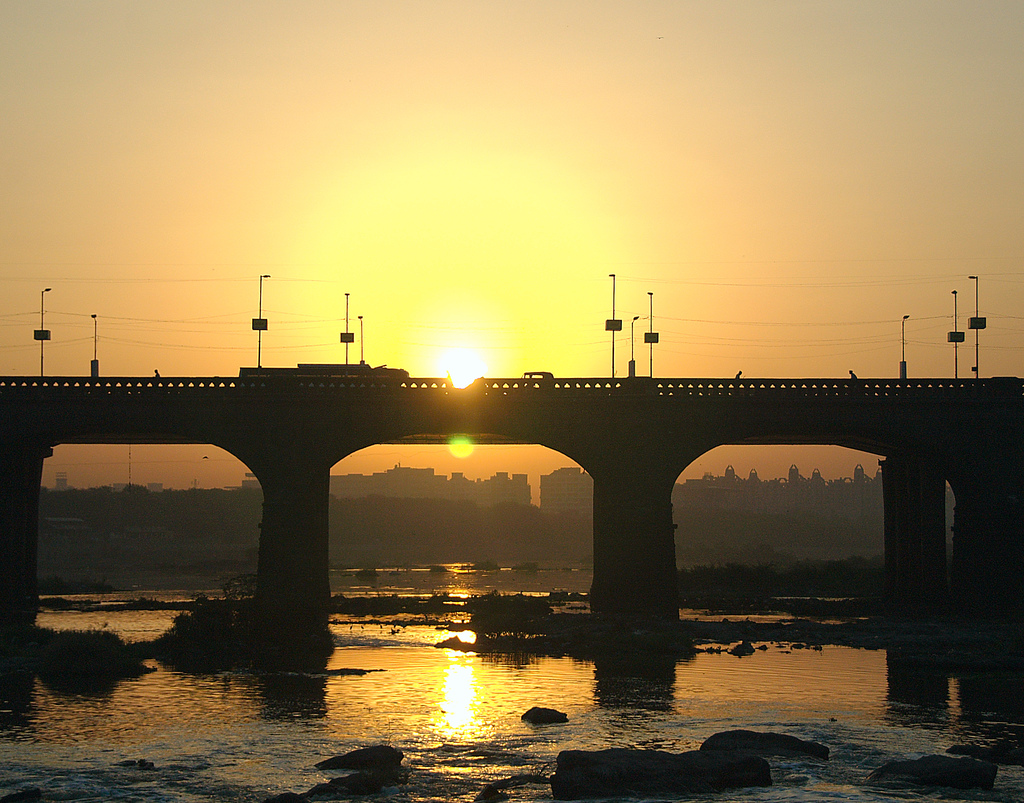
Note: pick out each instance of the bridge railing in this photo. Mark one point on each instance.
(1003, 387)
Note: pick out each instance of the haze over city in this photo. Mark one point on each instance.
(781, 183)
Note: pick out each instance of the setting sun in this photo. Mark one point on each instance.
(462, 366)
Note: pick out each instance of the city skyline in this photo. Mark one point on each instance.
(147, 468)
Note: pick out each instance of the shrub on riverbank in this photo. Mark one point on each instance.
(81, 655)
(215, 634)
(72, 659)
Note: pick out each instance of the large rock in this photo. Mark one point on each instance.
(616, 772)
(959, 773)
(765, 744)
(544, 716)
(381, 757)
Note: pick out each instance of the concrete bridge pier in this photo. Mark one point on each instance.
(21, 473)
(988, 544)
(915, 532)
(292, 585)
(634, 541)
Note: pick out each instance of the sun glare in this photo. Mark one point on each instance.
(460, 446)
(462, 366)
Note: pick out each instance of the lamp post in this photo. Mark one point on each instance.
(903, 347)
(613, 324)
(955, 337)
(259, 325)
(347, 336)
(362, 358)
(42, 334)
(95, 366)
(650, 336)
(632, 353)
(976, 323)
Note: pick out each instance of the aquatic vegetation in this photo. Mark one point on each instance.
(78, 656)
(215, 634)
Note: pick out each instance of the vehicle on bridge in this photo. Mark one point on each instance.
(335, 370)
(538, 375)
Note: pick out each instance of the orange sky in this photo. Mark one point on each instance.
(787, 178)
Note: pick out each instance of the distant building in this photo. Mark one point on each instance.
(505, 489)
(250, 481)
(402, 482)
(61, 483)
(849, 498)
(567, 490)
(154, 487)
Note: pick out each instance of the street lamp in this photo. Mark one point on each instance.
(362, 358)
(955, 337)
(95, 367)
(259, 325)
(613, 324)
(650, 336)
(976, 323)
(42, 334)
(347, 336)
(632, 360)
(903, 347)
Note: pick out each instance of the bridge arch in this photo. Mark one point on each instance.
(112, 510)
(421, 504)
(913, 480)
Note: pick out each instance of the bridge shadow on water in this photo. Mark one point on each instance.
(635, 680)
(975, 706)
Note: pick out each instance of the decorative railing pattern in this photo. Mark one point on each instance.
(1004, 387)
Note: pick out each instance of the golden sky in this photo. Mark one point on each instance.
(789, 179)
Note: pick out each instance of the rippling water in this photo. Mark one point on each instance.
(456, 716)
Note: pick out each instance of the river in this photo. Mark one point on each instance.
(456, 715)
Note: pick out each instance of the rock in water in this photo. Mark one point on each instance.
(771, 744)
(380, 757)
(544, 716)
(959, 773)
(618, 772)
(1001, 753)
(28, 793)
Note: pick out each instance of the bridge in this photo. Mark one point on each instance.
(634, 436)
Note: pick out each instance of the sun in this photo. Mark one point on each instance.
(462, 366)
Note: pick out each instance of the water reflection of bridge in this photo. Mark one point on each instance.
(634, 437)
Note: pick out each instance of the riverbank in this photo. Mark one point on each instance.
(559, 624)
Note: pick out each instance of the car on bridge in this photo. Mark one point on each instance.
(538, 375)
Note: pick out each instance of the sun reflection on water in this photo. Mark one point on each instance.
(457, 718)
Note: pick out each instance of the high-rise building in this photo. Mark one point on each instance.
(422, 483)
(567, 490)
